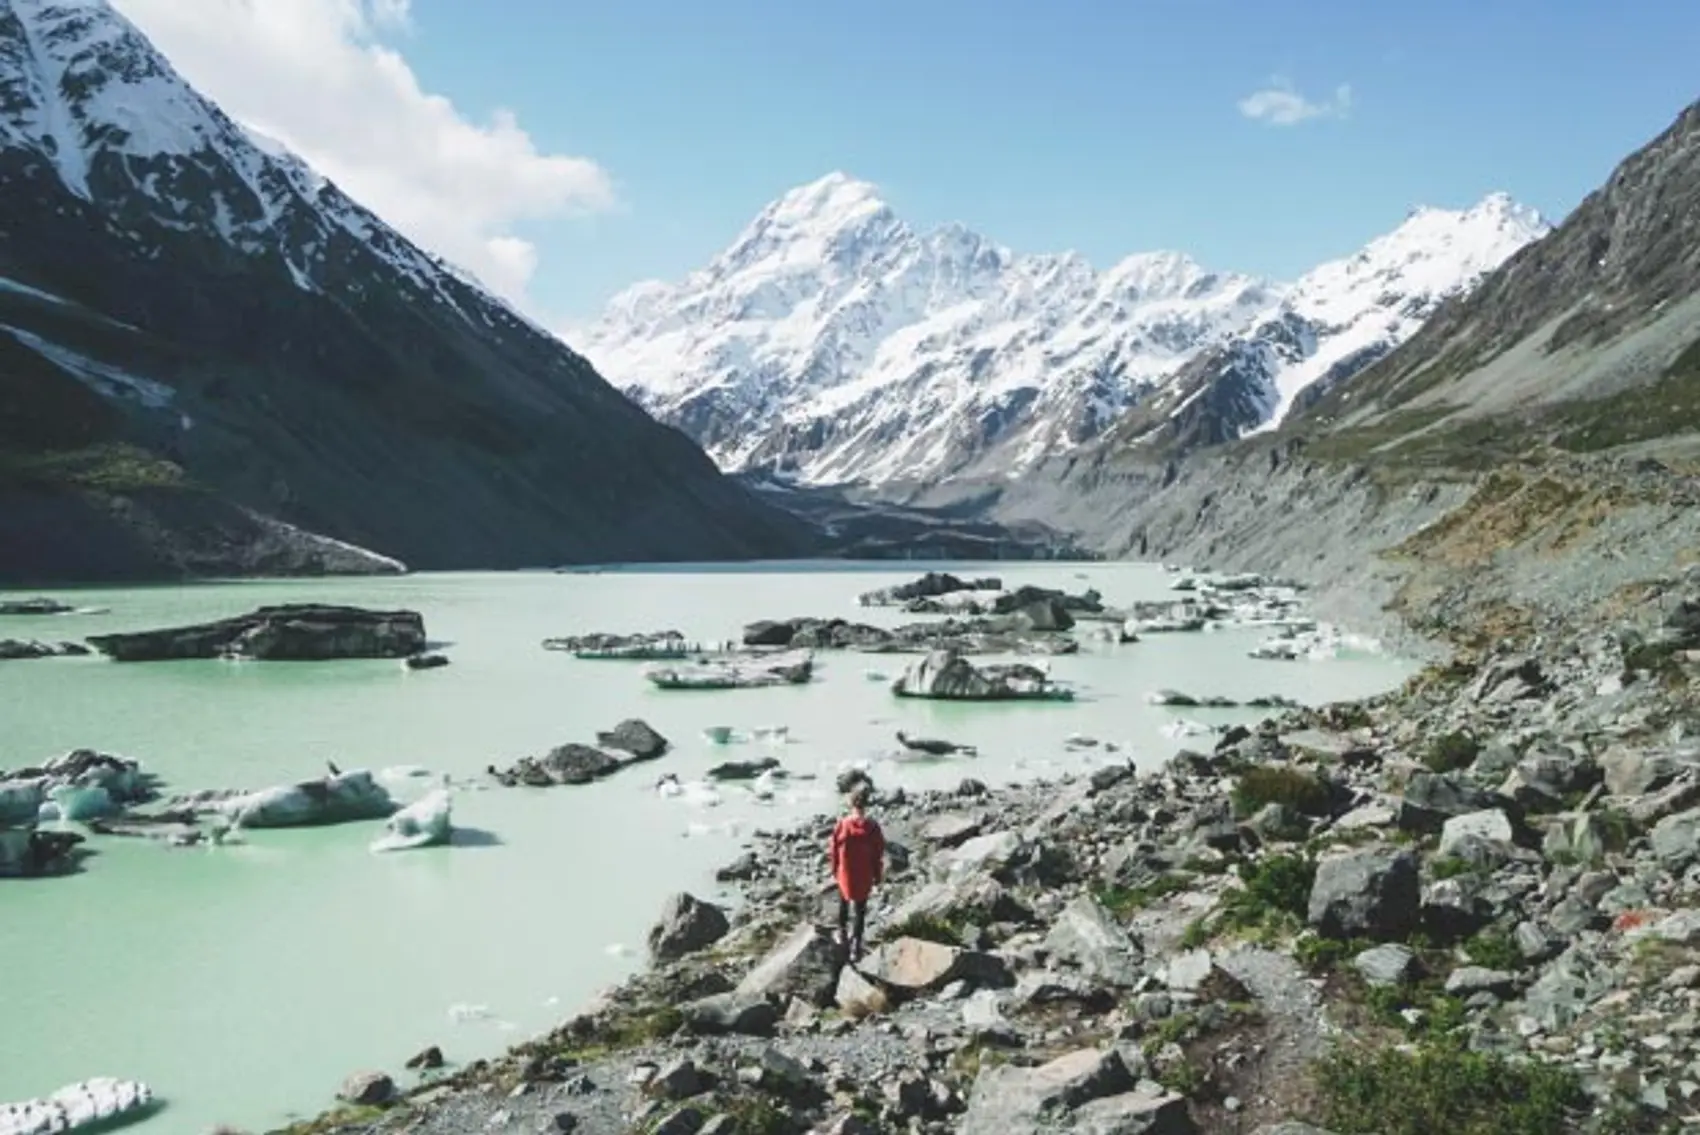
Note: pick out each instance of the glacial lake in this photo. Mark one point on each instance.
(244, 982)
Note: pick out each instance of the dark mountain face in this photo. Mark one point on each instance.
(187, 312)
(1589, 337)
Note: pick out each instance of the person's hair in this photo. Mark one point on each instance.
(859, 795)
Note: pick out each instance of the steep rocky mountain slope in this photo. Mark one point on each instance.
(207, 347)
(1532, 452)
(832, 343)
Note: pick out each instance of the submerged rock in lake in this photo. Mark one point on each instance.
(338, 798)
(628, 743)
(295, 632)
(793, 669)
(947, 676)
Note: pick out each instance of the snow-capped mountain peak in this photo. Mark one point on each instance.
(1362, 306)
(831, 342)
(82, 88)
(80, 79)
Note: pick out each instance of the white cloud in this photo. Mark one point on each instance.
(1280, 104)
(315, 75)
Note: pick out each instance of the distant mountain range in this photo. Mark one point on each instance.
(212, 360)
(1550, 416)
(831, 343)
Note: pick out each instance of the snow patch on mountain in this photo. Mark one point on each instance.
(831, 342)
(1369, 303)
(84, 89)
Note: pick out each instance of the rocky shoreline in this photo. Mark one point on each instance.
(1472, 904)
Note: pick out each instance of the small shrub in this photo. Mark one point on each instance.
(1273, 900)
(1320, 955)
(1185, 1077)
(1451, 752)
(1273, 784)
(646, 1028)
(1442, 1087)
(927, 927)
(1281, 882)
(1618, 829)
(1124, 901)
(1196, 934)
(1657, 660)
(1451, 867)
(1494, 949)
(756, 1116)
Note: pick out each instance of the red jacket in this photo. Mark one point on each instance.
(857, 853)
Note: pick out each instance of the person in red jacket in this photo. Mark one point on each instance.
(857, 853)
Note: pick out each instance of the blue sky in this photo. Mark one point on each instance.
(1106, 126)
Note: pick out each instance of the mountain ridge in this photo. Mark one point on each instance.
(271, 348)
(1530, 456)
(831, 342)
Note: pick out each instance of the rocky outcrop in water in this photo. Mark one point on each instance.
(928, 586)
(654, 646)
(945, 675)
(1036, 631)
(13, 649)
(298, 632)
(736, 673)
(628, 743)
(40, 606)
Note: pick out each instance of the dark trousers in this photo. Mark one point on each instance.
(845, 908)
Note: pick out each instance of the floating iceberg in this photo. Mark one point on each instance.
(423, 823)
(334, 799)
(78, 803)
(79, 1105)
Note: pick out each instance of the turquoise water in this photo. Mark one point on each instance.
(244, 982)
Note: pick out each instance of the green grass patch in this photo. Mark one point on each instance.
(1658, 660)
(1494, 948)
(1664, 408)
(334, 1121)
(1259, 787)
(1442, 1087)
(927, 927)
(1321, 956)
(1269, 906)
(1452, 867)
(108, 467)
(1451, 752)
(1125, 901)
(752, 1115)
(1618, 828)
